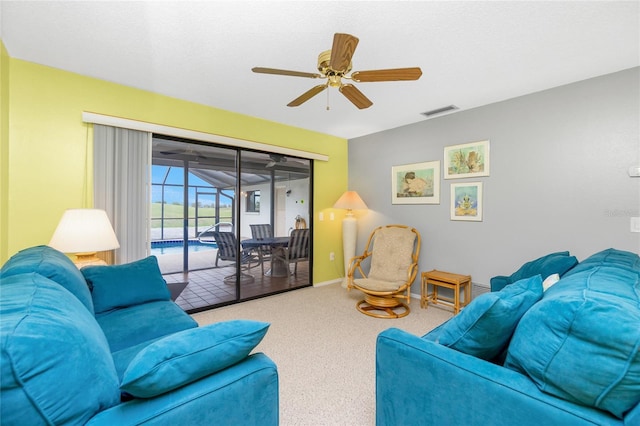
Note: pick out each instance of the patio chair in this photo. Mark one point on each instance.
(391, 257)
(261, 231)
(228, 250)
(298, 248)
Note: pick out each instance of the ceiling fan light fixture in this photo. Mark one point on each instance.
(335, 80)
(323, 64)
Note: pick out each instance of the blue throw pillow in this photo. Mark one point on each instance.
(485, 326)
(52, 264)
(189, 355)
(120, 286)
(55, 363)
(581, 341)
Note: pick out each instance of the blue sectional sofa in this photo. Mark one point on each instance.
(553, 263)
(569, 355)
(107, 346)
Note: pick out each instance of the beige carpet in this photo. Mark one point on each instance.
(325, 350)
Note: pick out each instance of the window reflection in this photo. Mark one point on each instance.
(253, 201)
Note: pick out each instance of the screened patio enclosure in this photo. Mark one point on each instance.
(198, 189)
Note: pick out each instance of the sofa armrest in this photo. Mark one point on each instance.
(420, 382)
(499, 282)
(245, 393)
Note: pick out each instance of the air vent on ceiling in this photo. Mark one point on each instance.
(439, 111)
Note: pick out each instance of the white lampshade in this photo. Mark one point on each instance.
(84, 231)
(350, 200)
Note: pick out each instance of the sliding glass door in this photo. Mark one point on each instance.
(270, 210)
(208, 202)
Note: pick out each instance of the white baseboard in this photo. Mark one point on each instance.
(476, 290)
(483, 288)
(337, 281)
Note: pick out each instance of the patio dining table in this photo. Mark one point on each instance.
(279, 267)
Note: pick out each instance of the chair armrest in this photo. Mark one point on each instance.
(356, 263)
(412, 272)
(245, 393)
(420, 382)
(358, 259)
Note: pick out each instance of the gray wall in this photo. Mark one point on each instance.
(559, 178)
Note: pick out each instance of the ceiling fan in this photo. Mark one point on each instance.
(335, 65)
(188, 152)
(280, 159)
(275, 159)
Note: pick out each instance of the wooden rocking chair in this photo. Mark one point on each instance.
(391, 257)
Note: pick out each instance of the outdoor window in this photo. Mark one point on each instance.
(253, 201)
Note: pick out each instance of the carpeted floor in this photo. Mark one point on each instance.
(325, 350)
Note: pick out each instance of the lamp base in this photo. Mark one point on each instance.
(87, 259)
(345, 282)
(349, 234)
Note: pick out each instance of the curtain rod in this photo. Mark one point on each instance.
(125, 123)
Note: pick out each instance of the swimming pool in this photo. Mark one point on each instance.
(175, 246)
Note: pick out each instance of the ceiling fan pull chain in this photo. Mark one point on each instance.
(328, 100)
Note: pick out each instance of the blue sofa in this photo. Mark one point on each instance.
(553, 263)
(107, 346)
(523, 355)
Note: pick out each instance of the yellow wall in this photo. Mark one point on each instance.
(49, 151)
(4, 149)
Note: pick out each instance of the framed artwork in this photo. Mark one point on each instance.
(417, 183)
(466, 201)
(466, 160)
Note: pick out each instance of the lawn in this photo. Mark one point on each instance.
(173, 214)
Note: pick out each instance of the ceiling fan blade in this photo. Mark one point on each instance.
(275, 71)
(395, 74)
(307, 95)
(344, 45)
(356, 97)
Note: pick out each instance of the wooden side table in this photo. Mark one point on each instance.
(455, 282)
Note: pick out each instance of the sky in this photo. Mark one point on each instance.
(172, 194)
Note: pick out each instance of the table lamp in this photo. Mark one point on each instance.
(84, 232)
(350, 201)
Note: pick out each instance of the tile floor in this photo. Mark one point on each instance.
(207, 286)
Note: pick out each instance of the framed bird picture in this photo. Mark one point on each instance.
(417, 183)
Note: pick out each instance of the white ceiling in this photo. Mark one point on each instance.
(472, 53)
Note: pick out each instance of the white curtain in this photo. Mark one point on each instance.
(122, 170)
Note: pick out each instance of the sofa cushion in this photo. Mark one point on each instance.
(119, 286)
(187, 356)
(52, 264)
(55, 362)
(612, 258)
(123, 357)
(485, 326)
(552, 263)
(581, 341)
(131, 326)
